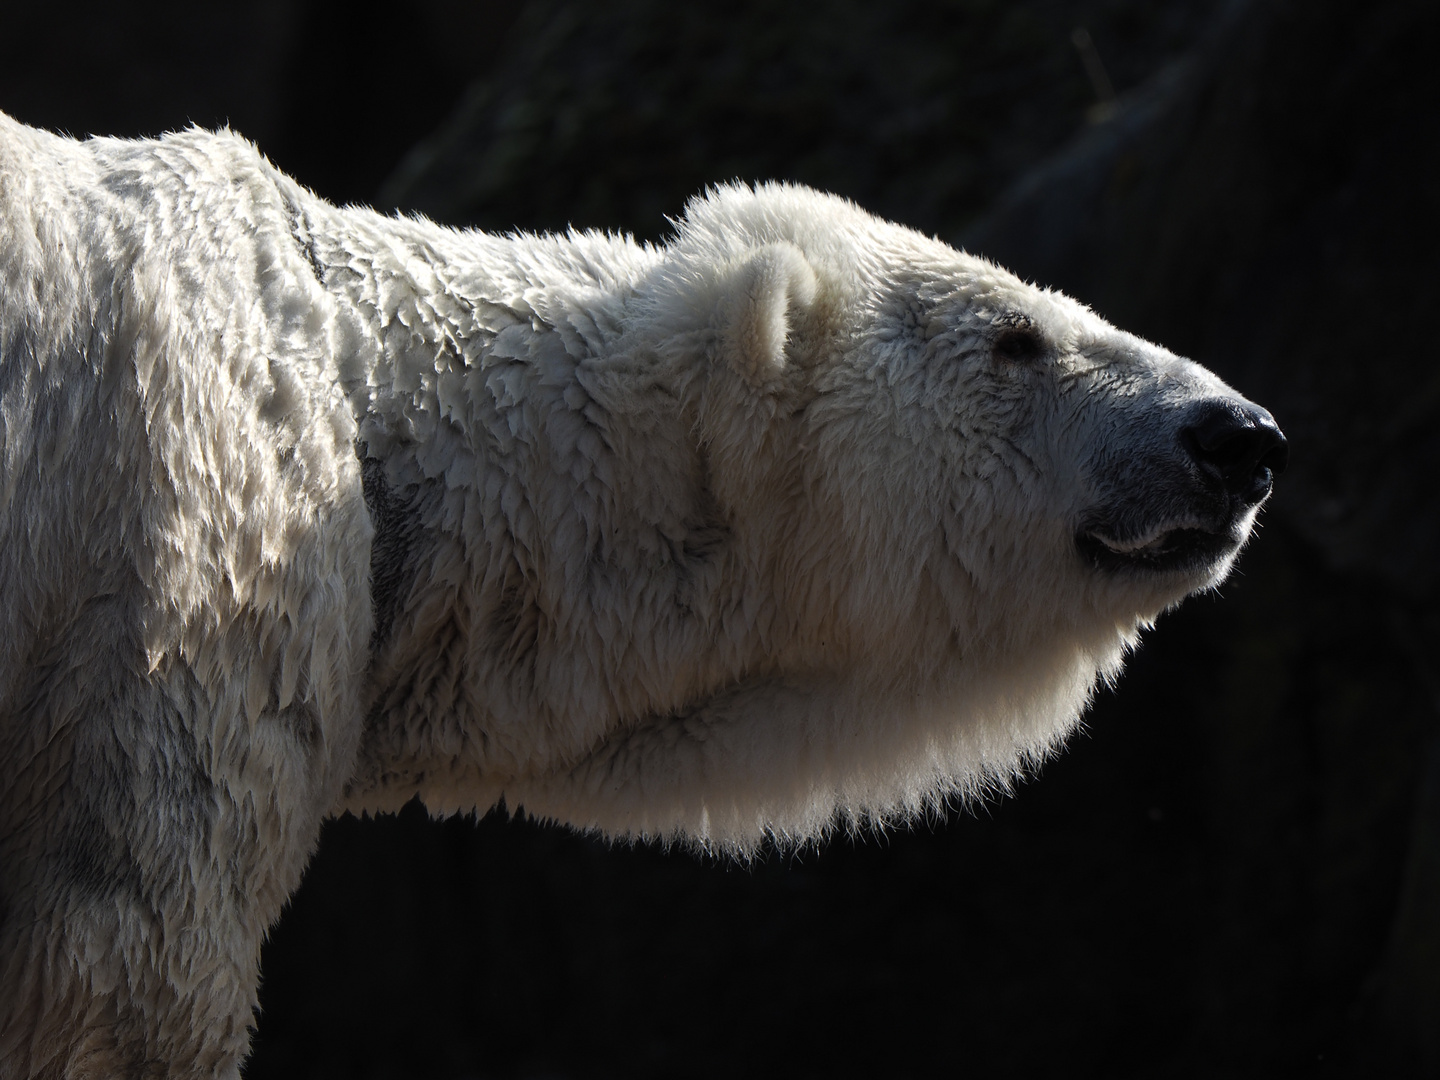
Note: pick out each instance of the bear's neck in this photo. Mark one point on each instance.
(549, 548)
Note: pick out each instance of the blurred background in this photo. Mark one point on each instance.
(1235, 869)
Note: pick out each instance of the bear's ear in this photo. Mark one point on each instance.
(763, 294)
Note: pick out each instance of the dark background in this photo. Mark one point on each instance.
(1235, 869)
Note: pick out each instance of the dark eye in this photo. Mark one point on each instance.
(1019, 344)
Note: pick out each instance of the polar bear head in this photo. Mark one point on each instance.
(961, 495)
(940, 416)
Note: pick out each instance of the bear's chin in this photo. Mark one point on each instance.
(1183, 550)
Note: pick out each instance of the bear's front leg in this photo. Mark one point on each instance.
(156, 834)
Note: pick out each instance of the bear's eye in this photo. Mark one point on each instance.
(1019, 344)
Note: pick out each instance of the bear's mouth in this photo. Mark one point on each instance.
(1161, 549)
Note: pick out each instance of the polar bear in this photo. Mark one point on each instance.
(801, 519)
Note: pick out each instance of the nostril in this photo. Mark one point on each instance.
(1239, 444)
(1278, 456)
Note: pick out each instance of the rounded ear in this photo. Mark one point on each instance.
(755, 315)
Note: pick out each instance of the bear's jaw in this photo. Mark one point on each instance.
(1172, 547)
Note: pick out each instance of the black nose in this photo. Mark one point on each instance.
(1238, 444)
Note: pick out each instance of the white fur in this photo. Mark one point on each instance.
(737, 537)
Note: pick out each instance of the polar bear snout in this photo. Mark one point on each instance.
(1238, 445)
(1187, 503)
